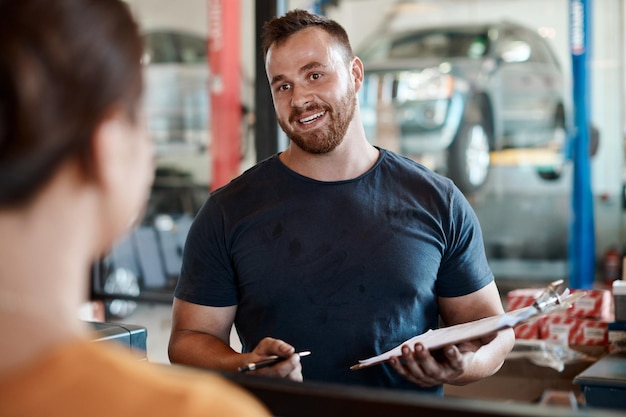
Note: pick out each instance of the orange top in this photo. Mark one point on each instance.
(97, 380)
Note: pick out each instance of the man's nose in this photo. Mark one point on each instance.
(300, 96)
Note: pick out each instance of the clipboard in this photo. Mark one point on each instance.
(548, 301)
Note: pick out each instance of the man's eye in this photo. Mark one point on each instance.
(284, 87)
(316, 76)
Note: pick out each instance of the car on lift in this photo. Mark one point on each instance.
(462, 91)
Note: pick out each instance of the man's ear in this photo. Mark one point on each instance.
(357, 73)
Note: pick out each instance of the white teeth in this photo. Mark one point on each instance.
(312, 118)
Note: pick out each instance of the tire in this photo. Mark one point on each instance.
(468, 156)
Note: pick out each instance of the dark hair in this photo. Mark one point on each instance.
(278, 29)
(63, 65)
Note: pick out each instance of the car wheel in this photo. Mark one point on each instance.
(468, 157)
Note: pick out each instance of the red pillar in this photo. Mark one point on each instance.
(224, 66)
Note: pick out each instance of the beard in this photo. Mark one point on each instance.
(324, 140)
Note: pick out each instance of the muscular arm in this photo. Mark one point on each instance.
(465, 362)
(200, 337)
(490, 356)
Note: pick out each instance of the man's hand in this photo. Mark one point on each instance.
(464, 362)
(289, 368)
(427, 369)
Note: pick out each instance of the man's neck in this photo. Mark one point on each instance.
(346, 162)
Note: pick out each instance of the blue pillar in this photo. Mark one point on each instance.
(582, 237)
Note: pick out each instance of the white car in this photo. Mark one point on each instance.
(464, 91)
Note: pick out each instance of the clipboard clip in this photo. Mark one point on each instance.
(550, 298)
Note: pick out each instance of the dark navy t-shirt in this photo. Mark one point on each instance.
(346, 269)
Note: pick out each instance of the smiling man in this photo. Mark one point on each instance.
(334, 245)
(314, 126)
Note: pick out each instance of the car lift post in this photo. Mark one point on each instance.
(582, 237)
(225, 78)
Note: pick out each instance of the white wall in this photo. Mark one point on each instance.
(189, 15)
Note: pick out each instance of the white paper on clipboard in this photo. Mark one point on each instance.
(445, 336)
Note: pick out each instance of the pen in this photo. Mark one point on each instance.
(268, 362)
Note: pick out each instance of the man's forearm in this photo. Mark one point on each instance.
(488, 359)
(203, 350)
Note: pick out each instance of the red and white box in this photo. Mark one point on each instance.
(570, 330)
(521, 298)
(596, 304)
(527, 331)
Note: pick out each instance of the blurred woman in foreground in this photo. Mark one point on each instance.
(76, 165)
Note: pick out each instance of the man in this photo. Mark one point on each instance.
(333, 246)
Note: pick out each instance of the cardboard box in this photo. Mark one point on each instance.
(566, 329)
(527, 331)
(521, 298)
(596, 304)
(584, 323)
(617, 337)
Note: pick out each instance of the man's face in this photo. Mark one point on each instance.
(312, 88)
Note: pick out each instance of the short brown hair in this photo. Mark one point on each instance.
(278, 29)
(63, 65)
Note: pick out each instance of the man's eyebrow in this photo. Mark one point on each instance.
(304, 68)
(276, 79)
(311, 65)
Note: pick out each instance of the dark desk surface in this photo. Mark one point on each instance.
(310, 399)
(603, 384)
(609, 370)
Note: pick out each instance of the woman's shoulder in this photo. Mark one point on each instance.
(100, 379)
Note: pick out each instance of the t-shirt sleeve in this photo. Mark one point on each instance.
(464, 268)
(207, 276)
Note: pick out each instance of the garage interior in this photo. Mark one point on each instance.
(545, 214)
